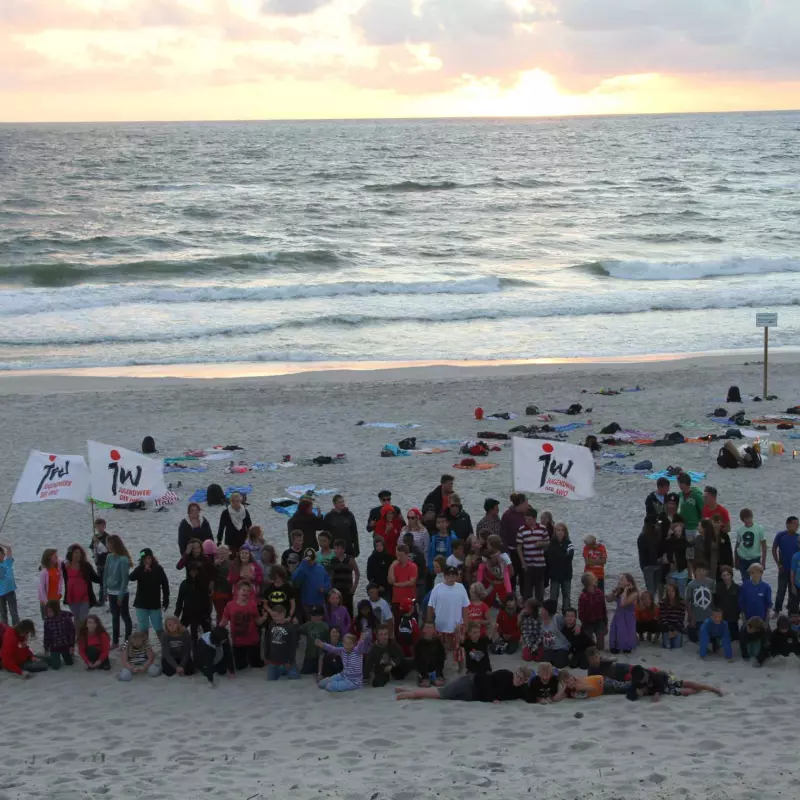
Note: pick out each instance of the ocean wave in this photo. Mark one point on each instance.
(32, 301)
(413, 186)
(613, 304)
(70, 274)
(689, 270)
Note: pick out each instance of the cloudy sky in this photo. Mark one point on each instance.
(256, 59)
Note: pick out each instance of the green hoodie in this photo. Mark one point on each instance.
(691, 508)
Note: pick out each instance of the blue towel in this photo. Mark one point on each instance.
(695, 476)
(616, 455)
(289, 511)
(201, 495)
(393, 448)
(569, 426)
(185, 469)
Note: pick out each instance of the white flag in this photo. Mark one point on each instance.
(123, 476)
(53, 477)
(546, 467)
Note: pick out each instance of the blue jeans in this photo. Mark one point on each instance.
(145, 617)
(680, 579)
(338, 683)
(276, 671)
(671, 644)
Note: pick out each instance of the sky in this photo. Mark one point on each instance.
(85, 60)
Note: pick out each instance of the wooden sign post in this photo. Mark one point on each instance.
(766, 321)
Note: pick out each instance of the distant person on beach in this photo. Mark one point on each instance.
(690, 508)
(512, 520)
(655, 503)
(439, 498)
(193, 526)
(384, 497)
(490, 524)
(234, 523)
(306, 520)
(341, 523)
(784, 548)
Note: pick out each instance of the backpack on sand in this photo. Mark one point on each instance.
(726, 459)
(148, 445)
(734, 395)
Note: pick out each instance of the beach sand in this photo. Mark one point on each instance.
(78, 735)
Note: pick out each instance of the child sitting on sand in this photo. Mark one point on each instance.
(754, 641)
(213, 654)
(508, 634)
(784, 641)
(15, 655)
(329, 664)
(137, 657)
(429, 657)
(579, 640)
(385, 660)
(531, 629)
(555, 645)
(352, 654)
(365, 623)
(59, 635)
(476, 649)
(406, 629)
(314, 629)
(94, 644)
(648, 626)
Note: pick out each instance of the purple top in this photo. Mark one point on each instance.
(353, 662)
(338, 618)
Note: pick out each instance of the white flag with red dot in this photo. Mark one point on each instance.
(123, 476)
(545, 467)
(50, 476)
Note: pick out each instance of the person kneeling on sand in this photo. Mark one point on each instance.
(490, 687)
(352, 654)
(137, 657)
(654, 683)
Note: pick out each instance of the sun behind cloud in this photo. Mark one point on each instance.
(277, 59)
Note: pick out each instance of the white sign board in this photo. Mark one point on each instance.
(768, 320)
(545, 467)
(122, 476)
(48, 476)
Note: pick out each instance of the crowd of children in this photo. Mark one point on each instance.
(437, 590)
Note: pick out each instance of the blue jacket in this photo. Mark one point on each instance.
(115, 575)
(440, 546)
(311, 578)
(709, 631)
(7, 582)
(755, 600)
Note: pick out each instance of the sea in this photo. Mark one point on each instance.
(276, 242)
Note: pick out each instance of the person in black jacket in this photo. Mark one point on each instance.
(308, 522)
(656, 502)
(213, 654)
(559, 555)
(385, 660)
(152, 591)
(234, 523)
(439, 497)
(726, 598)
(193, 606)
(651, 552)
(375, 514)
(341, 524)
(460, 521)
(378, 565)
(193, 526)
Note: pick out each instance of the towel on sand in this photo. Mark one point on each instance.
(201, 495)
(476, 467)
(179, 468)
(568, 426)
(695, 476)
(300, 490)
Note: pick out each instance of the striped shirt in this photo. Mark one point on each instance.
(527, 539)
(672, 616)
(353, 662)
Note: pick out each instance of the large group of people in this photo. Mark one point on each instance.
(441, 595)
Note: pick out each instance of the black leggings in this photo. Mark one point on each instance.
(169, 670)
(118, 605)
(399, 671)
(93, 653)
(247, 656)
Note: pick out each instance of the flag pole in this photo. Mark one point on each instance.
(91, 503)
(5, 517)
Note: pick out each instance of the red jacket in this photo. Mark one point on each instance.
(508, 626)
(14, 652)
(100, 641)
(390, 533)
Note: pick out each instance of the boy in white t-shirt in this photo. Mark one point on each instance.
(456, 559)
(447, 608)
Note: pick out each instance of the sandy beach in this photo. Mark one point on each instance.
(78, 735)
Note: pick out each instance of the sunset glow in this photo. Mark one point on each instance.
(264, 59)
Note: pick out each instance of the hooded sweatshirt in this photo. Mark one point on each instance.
(115, 575)
(379, 655)
(308, 522)
(233, 527)
(186, 532)
(727, 599)
(314, 582)
(755, 599)
(14, 652)
(429, 656)
(559, 555)
(389, 531)
(150, 584)
(176, 650)
(342, 525)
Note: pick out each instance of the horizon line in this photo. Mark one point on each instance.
(473, 118)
